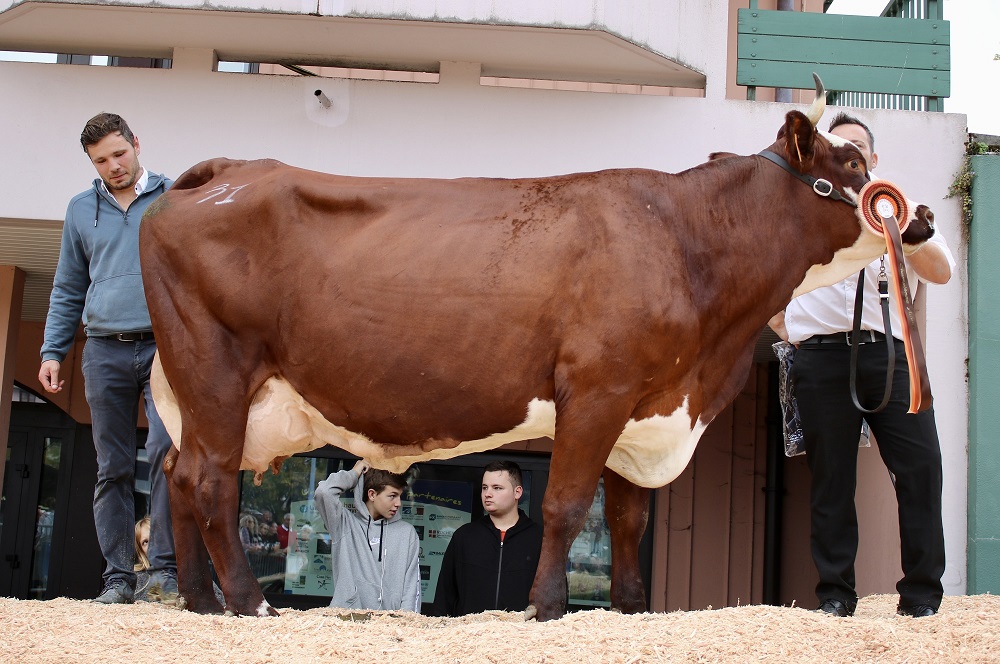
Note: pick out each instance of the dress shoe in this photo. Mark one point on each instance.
(835, 608)
(916, 611)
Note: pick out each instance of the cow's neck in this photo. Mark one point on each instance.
(763, 249)
(746, 259)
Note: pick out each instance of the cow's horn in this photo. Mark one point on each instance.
(815, 111)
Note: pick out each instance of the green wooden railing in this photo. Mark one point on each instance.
(901, 59)
(932, 9)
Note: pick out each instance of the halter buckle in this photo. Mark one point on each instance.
(822, 187)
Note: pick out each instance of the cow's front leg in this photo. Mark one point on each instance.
(627, 511)
(581, 448)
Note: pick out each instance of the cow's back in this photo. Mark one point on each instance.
(419, 249)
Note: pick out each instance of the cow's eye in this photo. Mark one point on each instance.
(855, 165)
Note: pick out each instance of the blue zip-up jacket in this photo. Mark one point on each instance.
(98, 279)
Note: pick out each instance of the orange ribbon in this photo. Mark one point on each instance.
(882, 206)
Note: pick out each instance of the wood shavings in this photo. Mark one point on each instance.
(966, 630)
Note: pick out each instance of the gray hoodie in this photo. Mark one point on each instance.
(375, 563)
(98, 278)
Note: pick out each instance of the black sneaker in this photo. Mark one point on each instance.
(835, 608)
(116, 591)
(916, 611)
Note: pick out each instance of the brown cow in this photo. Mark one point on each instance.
(408, 319)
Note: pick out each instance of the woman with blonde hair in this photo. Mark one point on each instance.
(142, 586)
(142, 559)
(249, 536)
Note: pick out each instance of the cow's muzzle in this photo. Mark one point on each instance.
(921, 227)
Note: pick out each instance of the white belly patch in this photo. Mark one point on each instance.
(653, 451)
(650, 452)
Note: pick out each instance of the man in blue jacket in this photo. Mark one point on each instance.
(490, 563)
(98, 282)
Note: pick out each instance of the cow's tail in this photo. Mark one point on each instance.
(165, 401)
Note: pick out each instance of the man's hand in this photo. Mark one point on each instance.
(930, 263)
(361, 467)
(777, 323)
(48, 376)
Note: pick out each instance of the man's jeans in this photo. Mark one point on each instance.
(116, 374)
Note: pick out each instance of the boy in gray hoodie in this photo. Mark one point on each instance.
(375, 552)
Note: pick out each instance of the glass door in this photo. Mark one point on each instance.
(45, 509)
(27, 512)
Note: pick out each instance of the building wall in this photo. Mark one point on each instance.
(734, 91)
(459, 128)
(708, 537)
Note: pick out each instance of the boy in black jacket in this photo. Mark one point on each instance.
(490, 563)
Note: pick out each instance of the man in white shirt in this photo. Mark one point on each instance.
(818, 323)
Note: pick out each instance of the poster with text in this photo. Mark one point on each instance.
(435, 508)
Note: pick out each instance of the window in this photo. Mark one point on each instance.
(289, 548)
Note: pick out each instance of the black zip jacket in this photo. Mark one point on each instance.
(479, 573)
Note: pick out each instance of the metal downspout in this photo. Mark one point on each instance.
(774, 490)
(784, 94)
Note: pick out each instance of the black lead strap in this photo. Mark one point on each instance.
(883, 290)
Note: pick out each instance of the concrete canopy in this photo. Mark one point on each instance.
(582, 52)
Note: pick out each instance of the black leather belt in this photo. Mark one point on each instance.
(129, 336)
(867, 337)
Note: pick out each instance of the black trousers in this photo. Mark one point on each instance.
(909, 447)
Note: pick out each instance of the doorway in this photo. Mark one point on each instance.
(28, 510)
(48, 542)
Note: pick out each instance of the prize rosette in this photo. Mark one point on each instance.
(881, 199)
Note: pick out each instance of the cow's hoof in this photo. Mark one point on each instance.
(198, 604)
(544, 613)
(530, 612)
(263, 610)
(630, 608)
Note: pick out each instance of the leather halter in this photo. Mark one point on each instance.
(820, 186)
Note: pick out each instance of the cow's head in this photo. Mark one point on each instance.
(836, 169)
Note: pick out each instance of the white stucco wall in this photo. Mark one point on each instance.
(458, 128)
(913, 149)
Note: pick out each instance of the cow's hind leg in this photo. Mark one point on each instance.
(194, 578)
(584, 438)
(209, 480)
(627, 511)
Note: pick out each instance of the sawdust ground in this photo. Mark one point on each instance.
(62, 630)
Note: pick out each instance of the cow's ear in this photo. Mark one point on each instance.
(800, 141)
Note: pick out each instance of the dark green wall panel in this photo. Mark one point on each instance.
(984, 378)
